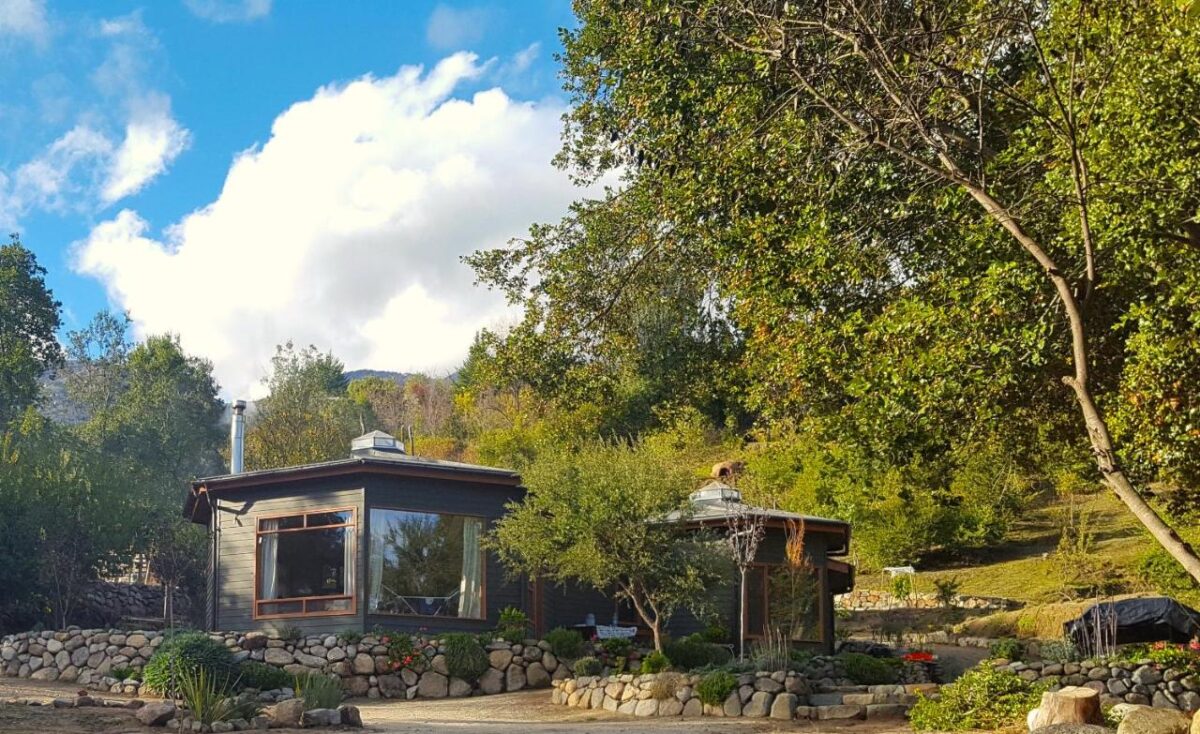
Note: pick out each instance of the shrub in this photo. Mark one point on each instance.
(655, 662)
(983, 698)
(465, 657)
(866, 670)
(617, 647)
(693, 652)
(565, 643)
(902, 586)
(773, 652)
(587, 666)
(184, 653)
(253, 674)
(715, 687)
(665, 686)
(716, 633)
(1061, 651)
(403, 651)
(123, 672)
(946, 590)
(351, 635)
(319, 691)
(206, 698)
(1007, 648)
(289, 632)
(513, 624)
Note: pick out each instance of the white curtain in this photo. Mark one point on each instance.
(375, 560)
(469, 597)
(349, 542)
(268, 545)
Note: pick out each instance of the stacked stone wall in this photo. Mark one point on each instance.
(870, 600)
(1138, 682)
(90, 658)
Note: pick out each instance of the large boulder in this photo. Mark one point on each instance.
(514, 679)
(321, 717)
(156, 714)
(364, 664)
(287, 713)
(1148, 720)
(500, 659)
(492, 681)
(350, 716)
(278, 656)
(433, 685)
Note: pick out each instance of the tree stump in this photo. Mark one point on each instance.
(1071, 705)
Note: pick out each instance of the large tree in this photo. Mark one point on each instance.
(935, 222)
(307, 416)
(592, 516)
(28, 322)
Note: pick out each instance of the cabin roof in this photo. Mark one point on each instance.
(375, 462)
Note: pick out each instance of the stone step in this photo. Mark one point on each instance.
(849, 711)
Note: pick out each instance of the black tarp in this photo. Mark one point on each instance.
(1149, 619)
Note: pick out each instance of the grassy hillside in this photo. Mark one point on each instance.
(1024, 568)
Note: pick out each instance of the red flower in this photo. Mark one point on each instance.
(1194, 645)
(919, 656)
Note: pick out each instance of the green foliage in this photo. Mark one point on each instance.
(693, 652)
(124, 672)
(28, 346)
(403, 651)
(983, 698)
(772, 652)
(1165, 654)
(351, 635)
(567, 644)
(715, 687)
(867, 670)
(655, 662)
(716, 632)
(253, 674)
(465, 657)
(318, 690)
(901, 586)
(185, 653)
(584, 520)
(288, 632)
(587, 665)
(307, 416)
(946, 590)
(514, 624)
(617, 647)
(1060, 651)
(205, 694)
(1007, 648)
(1162, 573)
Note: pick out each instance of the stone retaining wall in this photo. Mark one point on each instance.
(870, 600)
(89, 657)
(1139, 682)
(783, 695)
(106, 603)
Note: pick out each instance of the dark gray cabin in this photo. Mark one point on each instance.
(385, 539)
(786, 593)
(379, 538)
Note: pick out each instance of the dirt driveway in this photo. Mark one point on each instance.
(527, 712)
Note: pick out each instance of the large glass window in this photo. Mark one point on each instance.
(305, 564)
(783, 599)
(425, 564)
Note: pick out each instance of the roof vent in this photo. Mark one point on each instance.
(376, 443)
(715, 492)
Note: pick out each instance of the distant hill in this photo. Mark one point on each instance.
(397, 377)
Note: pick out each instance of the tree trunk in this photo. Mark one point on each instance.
(741, 633)
(1114, 476)
(1071, 705)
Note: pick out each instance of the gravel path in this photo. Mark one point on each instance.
(526, 712)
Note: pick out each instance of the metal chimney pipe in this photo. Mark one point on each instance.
(237, 437)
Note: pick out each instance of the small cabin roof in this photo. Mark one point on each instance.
(372, 453)
(716, 503)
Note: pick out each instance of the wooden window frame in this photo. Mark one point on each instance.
(350, 595)
(766, 569)
(483, 579)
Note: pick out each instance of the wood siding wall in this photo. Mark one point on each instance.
(237, 552)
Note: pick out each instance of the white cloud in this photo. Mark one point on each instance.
(455, 28)
(56, 177)
(229, 11)
(24, 19)
(152, 140)
(346, 227)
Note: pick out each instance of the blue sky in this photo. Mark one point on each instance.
(243, 172)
